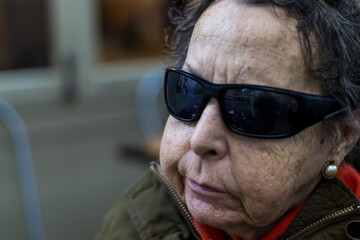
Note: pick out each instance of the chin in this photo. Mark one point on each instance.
(206, 213)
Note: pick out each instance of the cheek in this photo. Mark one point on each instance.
(277, 170)
(263, 174)
(174, 145)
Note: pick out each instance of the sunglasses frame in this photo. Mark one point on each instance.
(308, 113)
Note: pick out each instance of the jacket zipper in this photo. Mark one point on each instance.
(326, 218)
(183, 209)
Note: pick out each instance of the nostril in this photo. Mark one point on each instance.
(212, 152)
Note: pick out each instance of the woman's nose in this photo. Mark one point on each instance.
(209, 138)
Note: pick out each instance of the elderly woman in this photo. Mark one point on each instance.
(263, 114)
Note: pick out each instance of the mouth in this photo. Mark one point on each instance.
(201, 188)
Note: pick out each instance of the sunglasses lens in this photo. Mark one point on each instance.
(259, 112)
(184, 96)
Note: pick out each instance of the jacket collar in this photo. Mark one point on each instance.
(330, 197)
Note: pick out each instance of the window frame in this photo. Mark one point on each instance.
(74, 44)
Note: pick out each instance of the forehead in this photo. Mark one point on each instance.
(237, 43)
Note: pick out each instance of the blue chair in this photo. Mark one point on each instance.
(20, 140)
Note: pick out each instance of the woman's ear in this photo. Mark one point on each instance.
(347, 134)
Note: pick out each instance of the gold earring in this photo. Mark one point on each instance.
(329, 170)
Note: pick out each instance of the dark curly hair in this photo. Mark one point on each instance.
(335, 23)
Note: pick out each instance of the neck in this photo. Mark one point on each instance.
(249, 232)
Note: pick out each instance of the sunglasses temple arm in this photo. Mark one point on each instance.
(335, 113)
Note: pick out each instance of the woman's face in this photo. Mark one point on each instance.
(230, 181)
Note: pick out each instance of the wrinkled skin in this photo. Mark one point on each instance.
(240, 184)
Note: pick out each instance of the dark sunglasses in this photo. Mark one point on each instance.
(250, 110)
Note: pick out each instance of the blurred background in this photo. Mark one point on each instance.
(81, 80)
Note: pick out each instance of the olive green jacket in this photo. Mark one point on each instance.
(151, 210)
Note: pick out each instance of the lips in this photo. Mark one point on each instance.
(201, 188)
